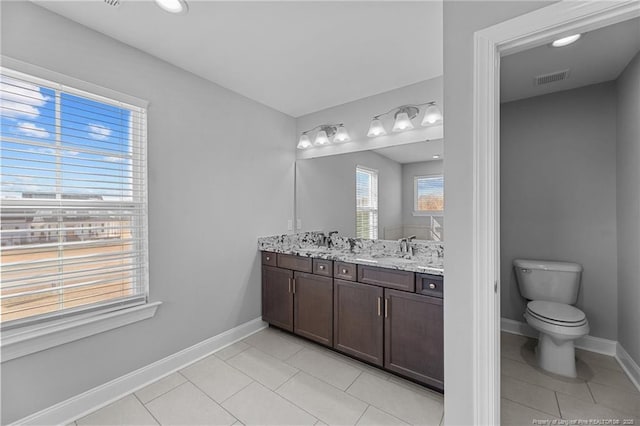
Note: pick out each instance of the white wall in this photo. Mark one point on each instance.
(461, 20)
(628, 208)
(208, 149)
(409, 171)
(558, 195)
(357, 115)
(326, 192)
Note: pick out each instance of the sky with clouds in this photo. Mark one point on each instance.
(91, 147)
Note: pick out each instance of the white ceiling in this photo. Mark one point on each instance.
(295, 56)
(413, 152)
(598, 56)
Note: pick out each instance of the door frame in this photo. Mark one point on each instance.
(521, 33)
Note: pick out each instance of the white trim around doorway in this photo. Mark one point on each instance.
(523, 32)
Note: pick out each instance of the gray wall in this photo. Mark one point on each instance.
(628, 203)
(461, 20)
(409, 171)
(558, 195)
(326, 191)
(204, 165)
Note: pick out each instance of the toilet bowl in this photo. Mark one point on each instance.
(552, 288)
(559, 326)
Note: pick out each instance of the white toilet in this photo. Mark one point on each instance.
(552, 287)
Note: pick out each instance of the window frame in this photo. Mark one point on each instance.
(32, 334)
(417, 212)
(375, 229)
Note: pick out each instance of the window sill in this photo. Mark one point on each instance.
(428, 213)
(21, 342)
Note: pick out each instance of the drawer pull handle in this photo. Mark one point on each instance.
(432, 286)
(386, 308)
(294, 286)
(344, 271)
(322, 267)
(289, 285)
(379, 303)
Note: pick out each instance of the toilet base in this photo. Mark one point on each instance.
(556, 357)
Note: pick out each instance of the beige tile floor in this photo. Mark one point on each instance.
(274, 378)
(601, 393)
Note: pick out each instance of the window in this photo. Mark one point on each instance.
(74, 200)
(428, 201)
(366, 203)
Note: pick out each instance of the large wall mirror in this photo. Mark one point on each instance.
(387, 193)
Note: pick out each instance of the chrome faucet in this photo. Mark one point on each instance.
(326, 239)
(405, 245)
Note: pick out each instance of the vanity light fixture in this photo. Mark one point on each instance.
(565, 41)
(323, 137)
(173, 6)
(403, 116)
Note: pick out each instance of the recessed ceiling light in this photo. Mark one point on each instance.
(565, 41)
(173, 6)
(436, 156)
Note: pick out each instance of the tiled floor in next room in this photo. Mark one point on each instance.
(601, 392)
(274, 378)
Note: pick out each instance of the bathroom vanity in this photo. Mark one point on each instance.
(378, 308)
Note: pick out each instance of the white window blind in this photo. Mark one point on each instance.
(73, 201)
(366, 203)
(429, 201)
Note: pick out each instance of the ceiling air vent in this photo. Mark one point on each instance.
(114, 3)
(551, 78)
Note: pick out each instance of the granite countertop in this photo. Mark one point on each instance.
(427, 256)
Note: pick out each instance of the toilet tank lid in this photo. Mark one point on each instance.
(547, 265)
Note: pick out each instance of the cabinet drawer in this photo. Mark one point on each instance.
(430, 285)
(344, 271)
(269, 258)
(390, 278)
(295, 263)
(323, 267)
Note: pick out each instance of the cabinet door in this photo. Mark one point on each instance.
(357, 320)
(277, 297)
(313, 307)
(414, 344)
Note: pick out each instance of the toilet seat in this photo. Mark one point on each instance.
(559, 314)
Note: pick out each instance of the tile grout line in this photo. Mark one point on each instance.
(354, 380)
(591, 393)
(214, 401)
(163, 393)
(145, 407)
(534, 408)
(558, 403)
(365, 410)
(291, 402)
(237, 392)
(525, 406)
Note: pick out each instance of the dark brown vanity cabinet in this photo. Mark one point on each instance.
(277, 297)
(357, 320)
(298, 301)
(414, 336)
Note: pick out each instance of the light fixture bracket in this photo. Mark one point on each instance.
(410, 110)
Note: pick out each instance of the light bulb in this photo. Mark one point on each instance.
(565, 41)
(341, 135)
(376, 129)
(402, 122)
(432, 115)
(304, 142)
(321, 138)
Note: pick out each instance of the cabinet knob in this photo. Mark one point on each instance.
(322, 267)
(432, 286)
(268, 258)
(344, 271)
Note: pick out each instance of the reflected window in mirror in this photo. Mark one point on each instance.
(428, 201)
(366, 203)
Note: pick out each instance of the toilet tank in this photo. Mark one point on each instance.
(548, 280)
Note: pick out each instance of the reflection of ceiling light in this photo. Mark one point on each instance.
(173, 6)
(376, 129)
(565, 41)
(325, 131)
(403, 116)
(435, 157)
(304, 142)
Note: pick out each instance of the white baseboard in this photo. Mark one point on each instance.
(80, 405)
(588, 343)
(629, 366)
